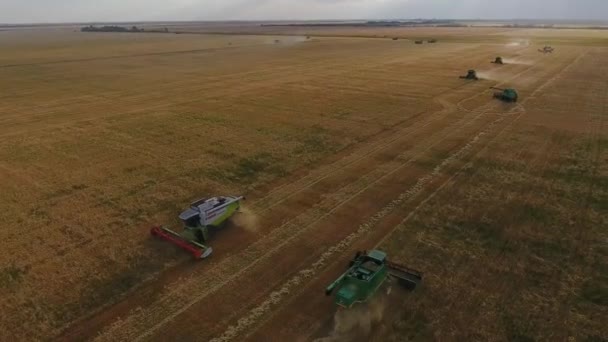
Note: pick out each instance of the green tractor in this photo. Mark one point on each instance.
(366, 273)
(506, 95)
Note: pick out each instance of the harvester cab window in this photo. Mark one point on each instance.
(192, 221)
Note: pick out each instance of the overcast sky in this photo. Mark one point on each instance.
(32, 11)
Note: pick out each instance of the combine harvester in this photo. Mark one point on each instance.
(506, 95)
(546, 49)
(471, 75)
(498, 60)
(367, 272)
(202, 215)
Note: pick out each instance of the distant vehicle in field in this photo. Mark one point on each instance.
(498, 60)
(419, 42)
(471, 75)
(546, 49)
(506, 95)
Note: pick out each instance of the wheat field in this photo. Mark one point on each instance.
(340, 141)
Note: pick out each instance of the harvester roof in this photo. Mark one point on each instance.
(188, 214)
(377, 255)
(203, 204)
(367, 265)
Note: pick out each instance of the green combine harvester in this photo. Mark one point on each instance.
(203, 215)
(498, 60)
(506, 95)
(471, 75)
(367, 272)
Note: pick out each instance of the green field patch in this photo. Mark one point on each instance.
(11, 275)
(595, 291)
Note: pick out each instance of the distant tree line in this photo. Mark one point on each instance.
(113, 28)
(378, 23)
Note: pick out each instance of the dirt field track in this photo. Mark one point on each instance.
(340, 144)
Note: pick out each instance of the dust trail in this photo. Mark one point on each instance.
(493, 76)
(287, 40)
(247, 219)
(358, 321)
(245, 322)
(517, 61)
(520, 42)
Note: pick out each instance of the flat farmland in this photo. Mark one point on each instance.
(339, 144)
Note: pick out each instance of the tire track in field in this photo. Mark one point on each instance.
(418, 189)
(382, 144)
(357, 156)
(329, 65)
(286, 191)
(276, 297)
(292, 188)
(447, 109)
(289, 287)
(543, 158)
(237, 79)
(368, 187)
(254, 254)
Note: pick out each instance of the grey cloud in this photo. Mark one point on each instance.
(15, 11)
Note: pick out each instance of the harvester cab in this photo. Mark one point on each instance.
(498, 60)
(366, 273)
(471, 75)
(506, 95)
(204, 214)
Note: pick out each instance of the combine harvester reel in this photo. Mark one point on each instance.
(365, 275)
(202, 215)
(471, 75)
